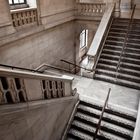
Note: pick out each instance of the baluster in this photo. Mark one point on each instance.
(97, 8)
(28, 17)
(48, 89)
(90, 8)
(60, 92)
(94, 8)
(54, 91)
(2, 100)
(16, 19)
(35, 15)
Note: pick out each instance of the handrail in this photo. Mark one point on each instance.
(54, 67)
(19, 68)
(125, 40)
(101, 117)
(70, 63)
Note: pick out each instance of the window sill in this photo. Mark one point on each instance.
(18, 6)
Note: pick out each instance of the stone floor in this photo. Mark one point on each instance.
(120, 95)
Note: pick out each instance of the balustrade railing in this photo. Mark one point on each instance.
(24, 17)
(18, 86)
(90, 9)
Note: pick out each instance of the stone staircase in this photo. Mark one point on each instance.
(129, 72)
(116, 125)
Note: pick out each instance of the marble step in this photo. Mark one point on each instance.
(113, 111)
(129, 39)
(90, 130)
(110, 118)
(113, 47)
(116, 43)
(105, 66)
(118, 34)
(108, 62)
(114, 130)
(118, 81)
(126, 53)
(114, 52)
(125, 26)
(130, 63)
(132, 45)
(119, 48)
(123, 76)
(122, 70)
(118, 30)
(114, 38)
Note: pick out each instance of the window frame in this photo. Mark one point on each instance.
(13, 3)
(85, 34)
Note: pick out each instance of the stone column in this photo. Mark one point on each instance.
(6, 26)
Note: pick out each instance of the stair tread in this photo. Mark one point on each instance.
(122, 58)
(119, 81)
(116, 51)
(93, 129)
(120, 74)
(80, 135)
(105, 125)
(107, 115)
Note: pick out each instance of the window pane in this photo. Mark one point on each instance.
(21, 1)
(16, 1)
(10, 1)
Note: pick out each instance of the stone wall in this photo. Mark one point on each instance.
(40, 120)
(48, 46)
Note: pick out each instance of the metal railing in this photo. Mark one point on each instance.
(101, 116)
(125, 40)
(45, 66)
(75, 66)
(19, 68)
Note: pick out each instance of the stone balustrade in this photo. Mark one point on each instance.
(19, 86)
(90, 9)
(24, 17)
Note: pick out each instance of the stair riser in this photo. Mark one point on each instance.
(118, 83)
(129, 67)
(117, 30)
(105, 73)
(116, 34)
(129, 72)
(124, 61)
(106, 68)
(115, 39)
(133, 41)
(115, 122)
(114, 43)
(112, 53)
(108, 63)
(104, 128)
(127, 55)
(120, 114)
(116, 48)
(133, 46)
(128, 78)
(132, 51)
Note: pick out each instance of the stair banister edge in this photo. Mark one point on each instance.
(98, 38)
(23, 74)
(136, 135)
